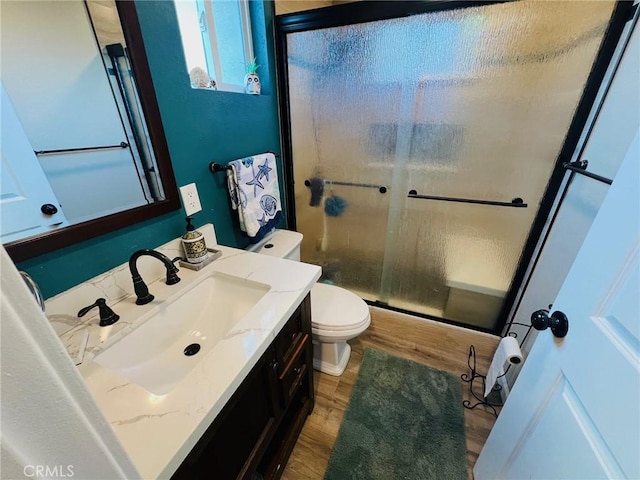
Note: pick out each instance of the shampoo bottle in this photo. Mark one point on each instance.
(193, 243)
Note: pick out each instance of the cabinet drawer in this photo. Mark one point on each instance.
(295, 370)
(288, 340)
(236, 440)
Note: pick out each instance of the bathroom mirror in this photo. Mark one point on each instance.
(100, 138)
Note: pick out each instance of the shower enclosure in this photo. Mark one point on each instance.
(423, 137)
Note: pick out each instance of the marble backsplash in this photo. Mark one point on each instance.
(113, 285)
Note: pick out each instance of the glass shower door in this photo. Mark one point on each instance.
(468, 110)
(339, 205)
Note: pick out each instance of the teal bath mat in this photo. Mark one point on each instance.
(404, 421)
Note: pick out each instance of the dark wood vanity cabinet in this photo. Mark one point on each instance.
(254, 434)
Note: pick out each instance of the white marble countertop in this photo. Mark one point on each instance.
(158, 431)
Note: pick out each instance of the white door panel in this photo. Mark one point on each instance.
(563, 408)
(24, 185)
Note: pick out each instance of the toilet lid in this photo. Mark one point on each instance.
(334, 308)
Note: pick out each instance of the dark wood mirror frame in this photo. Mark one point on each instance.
(37, 245)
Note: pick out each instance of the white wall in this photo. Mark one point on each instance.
(49, 419)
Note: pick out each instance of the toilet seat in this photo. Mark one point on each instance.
(334, 309)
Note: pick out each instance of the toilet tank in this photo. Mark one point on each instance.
(282, 243)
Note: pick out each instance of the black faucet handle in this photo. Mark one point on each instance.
(172, 275)
(107, 316)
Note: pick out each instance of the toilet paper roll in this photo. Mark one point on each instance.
(507, 353)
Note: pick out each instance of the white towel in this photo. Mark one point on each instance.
(253, 188)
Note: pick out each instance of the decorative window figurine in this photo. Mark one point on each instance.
(200, 79)
(251, 80)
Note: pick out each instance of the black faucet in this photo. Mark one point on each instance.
(142, 292)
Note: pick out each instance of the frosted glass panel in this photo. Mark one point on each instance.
(328, 138)
(472, 103)
(457, 259)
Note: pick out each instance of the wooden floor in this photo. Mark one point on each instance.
(434, 344)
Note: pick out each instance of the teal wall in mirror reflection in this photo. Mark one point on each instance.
(200, 127)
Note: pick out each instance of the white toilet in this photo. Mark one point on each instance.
(337, 315)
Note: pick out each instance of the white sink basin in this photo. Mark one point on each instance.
(153, 355)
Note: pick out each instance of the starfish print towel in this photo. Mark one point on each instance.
(253, 188)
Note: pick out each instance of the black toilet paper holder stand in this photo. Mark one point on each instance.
(489, 402)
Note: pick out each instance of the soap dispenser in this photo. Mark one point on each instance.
(193, 243)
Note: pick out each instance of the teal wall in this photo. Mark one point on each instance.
(200, 126)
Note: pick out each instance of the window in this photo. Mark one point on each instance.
(217, 40)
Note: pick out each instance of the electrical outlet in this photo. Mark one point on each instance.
(190, 199)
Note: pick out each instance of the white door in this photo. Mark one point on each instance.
(25, 188)
(574, 411)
